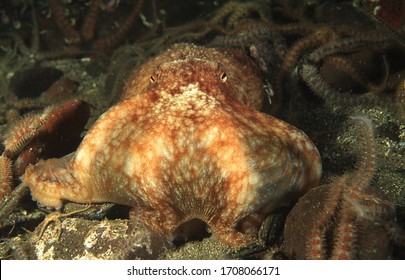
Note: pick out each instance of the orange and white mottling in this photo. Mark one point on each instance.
(187, 141)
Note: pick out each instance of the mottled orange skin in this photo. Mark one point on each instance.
(186, 141)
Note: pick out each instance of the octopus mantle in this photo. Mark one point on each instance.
(187, 141)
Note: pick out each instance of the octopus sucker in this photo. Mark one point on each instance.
(186, 141)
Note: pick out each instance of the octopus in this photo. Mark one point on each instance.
(187, 141)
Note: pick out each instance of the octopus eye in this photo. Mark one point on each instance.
(153, 78)
(223, 77)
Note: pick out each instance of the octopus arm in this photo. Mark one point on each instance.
(51, 182)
